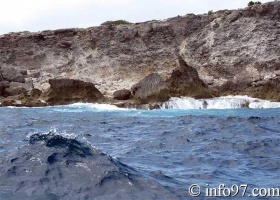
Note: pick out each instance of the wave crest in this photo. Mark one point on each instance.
(59, 167)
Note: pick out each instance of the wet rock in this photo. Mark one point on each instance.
(122, 94)
(65, 91)
(22, 100)
(12, 74)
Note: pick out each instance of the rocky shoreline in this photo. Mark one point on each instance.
(142, 65)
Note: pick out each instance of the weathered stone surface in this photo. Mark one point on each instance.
(151, 88)
(122, 94)
(3, 85)
(65, 91)
(184, 81)
(269, 89)
(35, 93)
(15, 88)
(228, 47)
(12, 74)
(22, 100)
(233, 53)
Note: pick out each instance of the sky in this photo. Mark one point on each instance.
(39, 15)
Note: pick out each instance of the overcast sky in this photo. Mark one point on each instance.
(38, 15)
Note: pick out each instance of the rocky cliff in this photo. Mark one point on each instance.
(231, 51)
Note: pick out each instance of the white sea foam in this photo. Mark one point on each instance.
(225, 102)
(105, 107)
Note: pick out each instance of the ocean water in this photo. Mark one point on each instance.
(91, 151)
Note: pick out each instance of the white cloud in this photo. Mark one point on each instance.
(20, 11)
(35, 15)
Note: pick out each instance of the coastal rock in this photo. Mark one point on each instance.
(22, 100)
(35, 93)
(229, 47)
(65, 91)
(16, 88)
(12, 74)
(184, 81)
(3, 85)
(122, 94)
(269, 89)
(151, 88)
(233, 53)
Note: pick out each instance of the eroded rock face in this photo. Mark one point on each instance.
(112, 57)
(122, 94)
(151, 88)
(9, 73)
(2, 88)
(65, 91)
(15, 88)
(184, 81)
(236, 49)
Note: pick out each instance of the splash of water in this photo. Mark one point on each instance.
(225, 102)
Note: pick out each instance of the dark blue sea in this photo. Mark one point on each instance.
(89, 151)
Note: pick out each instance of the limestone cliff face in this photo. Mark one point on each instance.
(239, 51)
(237, 48)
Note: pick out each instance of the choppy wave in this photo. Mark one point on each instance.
(225, 102)
(53, 166)
(95, 106)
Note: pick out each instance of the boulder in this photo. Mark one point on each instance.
(184, 81)
(15, 88)
(12, 74)
(150, 89)
(122, 94)
(65, 91)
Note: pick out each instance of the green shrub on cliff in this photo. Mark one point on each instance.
(251, 3)
(210, 12)
(117, 22)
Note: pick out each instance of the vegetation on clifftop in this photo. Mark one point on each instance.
(117, 22)
(251, 3)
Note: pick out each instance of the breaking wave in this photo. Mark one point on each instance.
(226, 102)
(95, 106)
